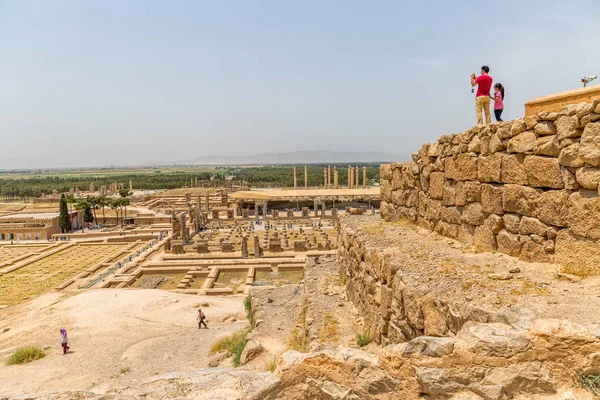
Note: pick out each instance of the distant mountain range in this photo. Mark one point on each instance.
(298, 157)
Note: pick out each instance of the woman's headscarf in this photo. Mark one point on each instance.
(63, 332)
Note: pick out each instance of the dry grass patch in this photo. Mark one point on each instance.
(578, 270)
(233, 343)
(25, 355)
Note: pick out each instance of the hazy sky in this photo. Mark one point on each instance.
(88, 83)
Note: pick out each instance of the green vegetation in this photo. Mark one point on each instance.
(249, 310)
(125, 370)
(297, 341)
(363, 338)
(63, 218)
(234, 344)
(25, 355)
(272, 364)
(591, 383)
(27, 184)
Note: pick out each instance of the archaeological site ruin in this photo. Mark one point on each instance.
(471, 272)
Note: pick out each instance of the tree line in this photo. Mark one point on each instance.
(89, 206)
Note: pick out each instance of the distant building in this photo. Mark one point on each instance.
(33, 226)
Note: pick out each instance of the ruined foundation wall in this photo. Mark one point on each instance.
(527, 188)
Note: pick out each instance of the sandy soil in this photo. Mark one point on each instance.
(117, 337)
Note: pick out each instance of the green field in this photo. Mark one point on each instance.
(101, 172)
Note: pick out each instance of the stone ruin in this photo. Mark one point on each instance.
(527, 188)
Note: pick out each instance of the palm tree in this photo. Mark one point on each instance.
(82, 206)
(115, 204)
(103, 201)
(124, 193)
(94, 206)
(70, 198)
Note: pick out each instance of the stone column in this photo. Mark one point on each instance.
(191, 182)
(256, 247)
(335, 179)
(295, 180)
(325, 178)
(130, 185)
(207, 202)
(244, 246)
(196, 182)
(350, 180)
(328, 176)
(305, 177)
(356, 177)
(365, 177)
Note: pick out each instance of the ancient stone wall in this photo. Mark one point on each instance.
(527, 188)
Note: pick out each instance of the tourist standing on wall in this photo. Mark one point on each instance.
(482, 98)
(201, 318)
(498, 98)
(64, 341)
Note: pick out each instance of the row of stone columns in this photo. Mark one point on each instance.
(353, 177)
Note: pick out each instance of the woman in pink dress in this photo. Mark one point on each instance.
(498, 98)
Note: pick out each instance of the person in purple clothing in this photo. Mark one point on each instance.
(498, 98)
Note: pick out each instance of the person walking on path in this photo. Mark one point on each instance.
(201, 318)
(482, 98)
(65, 340)
(498, 98)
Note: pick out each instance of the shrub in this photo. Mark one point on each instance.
(591, 383)
(25, 355)
(363, 338)
(233, 343)
(297, 341)
(272, 364)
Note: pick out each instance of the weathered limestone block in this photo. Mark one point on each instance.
(494, 222)
(593, 117)
(544, 128)
(449, 198)
(429, 346)
(434, 209)
(474, 145)
(466, 168)
(531, 121)
(569, 179)
(450, 171)
(485, 238)
(250, 352)
(387, 211)
(577, 251)
(582, 109)
(513, 169)
(491, 199)
(543, 172)
(467, 192)
(508, 243)
(496, 144)
(493, 339)
(451, 215)
(547, 146)
(529, 225)
(473, 214)
(569, 156)
(566, 127)
(466, 234)
(533, 252)
(588, 177)
(422, 204)
(589, 149)
(436, 185)
(396, 178)
(516, 128)
(385, 190)
(520, 199)
(434, 316)
(490, 168)
(553, 207)
(485, 145)
(522, 142)
(385, 171)
(584, 214)
(446, 229)
(511, 222)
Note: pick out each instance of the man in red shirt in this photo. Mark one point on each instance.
(482, 99)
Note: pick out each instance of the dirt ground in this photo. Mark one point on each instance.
(118, 338)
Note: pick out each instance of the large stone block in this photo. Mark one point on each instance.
(517, 127)
(496, 144)
(588, 177)
(546, 146)
(385, 190)
(491, 199)
(553, 207)
(436, 185)
(490, 168)
(385, 171)
(446, 229)
(577, 252)
(569, 179)
(543, 172)
(467, 192)
(522, 142)
(423, 201)
(589, 149)
(566, 127)
(533, 252)
(584, 214)
(531, 225)
(520, 199)
(450, 171)
(569, 156)
(513, 169)
(508, 243)
(485, 238)
(449, 198)
(511, 222)
(466, 168)
(396, 178)
(545, 128)
(466, 234)
(451, 215)
(472, 214)
(434, 209)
